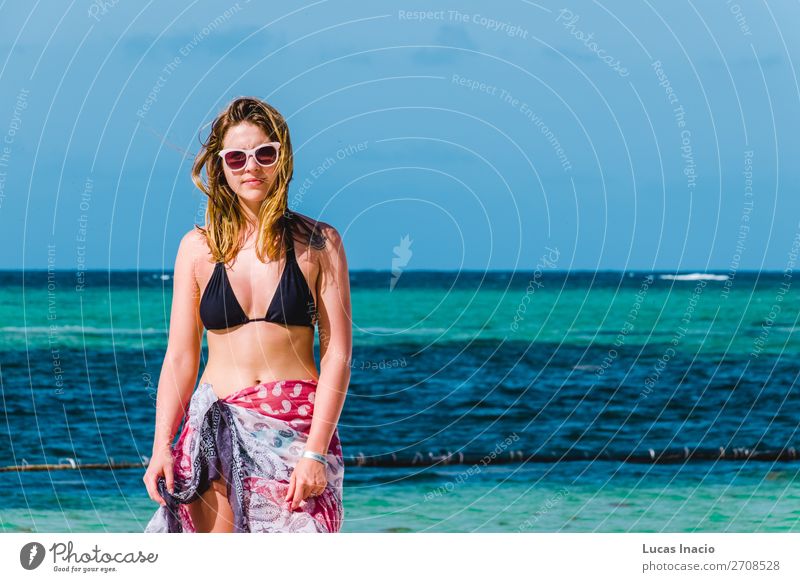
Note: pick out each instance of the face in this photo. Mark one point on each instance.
(253, 181)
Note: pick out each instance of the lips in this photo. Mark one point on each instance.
(252, 181)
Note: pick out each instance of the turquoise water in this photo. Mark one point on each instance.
(609, 497)
(596, 363)
(133, 312)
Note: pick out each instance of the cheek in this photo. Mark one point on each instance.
(230, 179)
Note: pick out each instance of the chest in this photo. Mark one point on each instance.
(254, 284)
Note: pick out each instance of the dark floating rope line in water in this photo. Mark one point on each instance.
(650, 456)
(72, 464)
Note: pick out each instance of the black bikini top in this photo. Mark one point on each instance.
(293, 303)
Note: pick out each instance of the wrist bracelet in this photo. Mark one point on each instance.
(316, 457)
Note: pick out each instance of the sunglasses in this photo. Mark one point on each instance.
(265, 155)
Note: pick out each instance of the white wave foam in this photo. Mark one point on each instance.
(695, 277)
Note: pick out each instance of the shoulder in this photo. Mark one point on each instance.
(193, 246)
(194, 239)
(332, 238)
(323, 236)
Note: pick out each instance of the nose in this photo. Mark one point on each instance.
(251, 159)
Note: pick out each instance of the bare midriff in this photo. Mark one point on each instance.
(258, 352)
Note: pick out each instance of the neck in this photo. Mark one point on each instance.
(250, 209)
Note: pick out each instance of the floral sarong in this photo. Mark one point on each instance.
(254, 439)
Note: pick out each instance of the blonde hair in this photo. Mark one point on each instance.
(225, 219)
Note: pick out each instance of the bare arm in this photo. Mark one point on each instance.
(182, 359)
(336, 342)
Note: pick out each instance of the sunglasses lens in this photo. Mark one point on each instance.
(235, 160)
(266, 155)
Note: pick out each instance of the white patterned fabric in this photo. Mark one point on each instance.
(254, 439)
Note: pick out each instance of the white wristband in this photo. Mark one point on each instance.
(316, 457)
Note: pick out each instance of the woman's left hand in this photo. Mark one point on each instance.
(308, 479)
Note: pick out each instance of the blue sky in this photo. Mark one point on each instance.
(617, 132)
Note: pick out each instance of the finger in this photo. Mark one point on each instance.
(151, 490)
(300, 493)
(320, 488)
(155, 496)
(169, 478)
(290, 490)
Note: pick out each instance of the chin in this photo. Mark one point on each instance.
(252, 195)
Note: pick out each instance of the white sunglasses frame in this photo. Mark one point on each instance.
(252, 152)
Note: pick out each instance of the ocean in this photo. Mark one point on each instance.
(579, 369)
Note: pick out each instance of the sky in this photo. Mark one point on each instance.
(625, 135)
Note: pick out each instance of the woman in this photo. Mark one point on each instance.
(259, 450)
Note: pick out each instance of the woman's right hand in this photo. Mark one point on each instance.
(160, 465)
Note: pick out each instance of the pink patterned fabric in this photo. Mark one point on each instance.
(254, 439)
